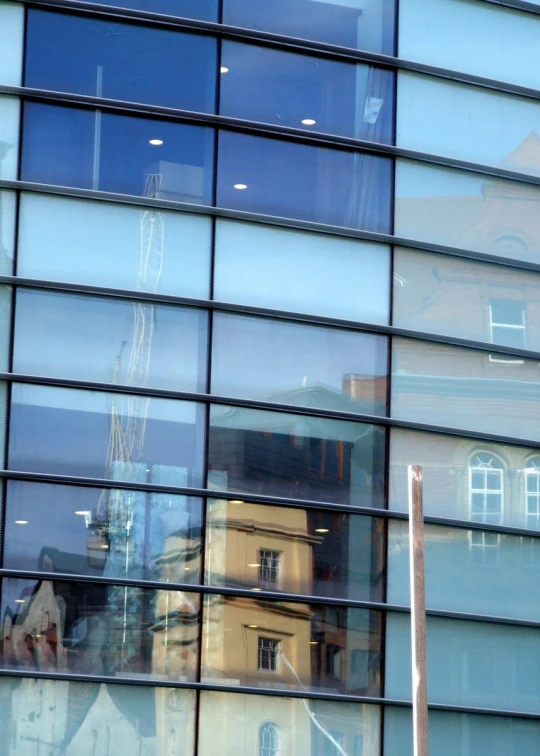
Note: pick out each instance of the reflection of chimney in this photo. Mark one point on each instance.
(364, 387)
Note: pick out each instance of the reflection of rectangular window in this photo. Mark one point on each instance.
(486, 498)
(268, 650)
(333, 660)
(269, 567)
(507, 326)
(532, 494)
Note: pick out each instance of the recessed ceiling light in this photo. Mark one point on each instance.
(82, 512)
(321, 530)
(240, 186)
(253, 626)
(256, 589)
(309, 122)
(156, 142)
(21, 522)
(313, 643)
(254, 564)
(187, 569)
(237, 501)
(20, 601)
(104, 546)
(224, 69)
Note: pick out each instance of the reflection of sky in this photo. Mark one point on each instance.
(423, 180)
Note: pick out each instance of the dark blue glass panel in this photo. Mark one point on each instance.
(207, 10)
(95, 150)
(120, 61)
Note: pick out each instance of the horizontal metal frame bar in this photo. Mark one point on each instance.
(266, 130)
(521, 5)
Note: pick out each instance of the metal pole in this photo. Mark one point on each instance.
(418, 612)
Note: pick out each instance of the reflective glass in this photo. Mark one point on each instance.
(120, 61)
(468, 663)
(73, 717)
(96, 629)
(362, 24)
(98, 531)
(465, 388)
(306, 92)
(99, 435)
(468, 123)
(459, 209)
(302, 272)
(11, 43)
(318, 367)
(7, 231)
(207, 10)
(9, 137)
(110, 340)
(469, 571)
(114, 244)
(496, 304)
(506, 49)
(294, 180)
(249, 723)
(90, 149)
(312, 552)
(291, 646)
(296, 456)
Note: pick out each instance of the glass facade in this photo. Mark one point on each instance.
(257, 259)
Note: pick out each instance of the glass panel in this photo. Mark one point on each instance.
(318, 367)
(96, 629)
(427, 287)
(72, 717)
(110, 340)
(7, 231)
(294, 180)
(291, 646)
(121, 61)
(98, 531)
(468, 663)
(465, 578)
(247, 724)
(362, 24)
(306, 92)
(459, 209)
(296, 456)
(94, 150)
(451, 386)
(113, 243)
(203, 9)
(468, 123)
(312, 552)
(493, 53)
(11, 43)
(99, 435)
(462, 734)
(302, 272)
(9, 137)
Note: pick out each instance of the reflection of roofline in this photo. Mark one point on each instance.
(450, 385)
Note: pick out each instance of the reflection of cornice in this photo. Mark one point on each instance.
(268, 529)
(285, 609)
(457, 385)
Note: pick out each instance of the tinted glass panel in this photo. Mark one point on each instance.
(296, 456)
(459, 209)
(98, 531)
(302, 272)
(110, 340)
(291, 646)
(319, 367)
(95, 150)
(305, 551)
(305, 92)
(367, 24)
(96, 435)
(7, 231)
(300, 181)
(11, 43)
(113, 244)
(204, 9)
(120, 61)
(495, 393)
(5, 320)
(9, 137)
(295, 725)
(96, 629)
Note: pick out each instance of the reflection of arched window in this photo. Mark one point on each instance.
(532, 493)
(268, 739)
(486, 495)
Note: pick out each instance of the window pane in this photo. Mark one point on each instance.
(493, 53)
(318, 367)
(94, 150)
(74, 715)
(296, 456)
(316, 553)
(451, 386)
(110, 340)
(306, 92)
(206, 10)
(9, 137)
(111, 241)
(468, 663)
(468, 123)
(11, 43)
(302, 272)
(7, 231)
(232, 714)
(121, 61)
(300, 181)
(314, 644)
(459, 209)
(99, 435)
(351, 23)
(97, 531)
(96, 629)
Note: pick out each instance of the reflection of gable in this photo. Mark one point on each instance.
(447, 386)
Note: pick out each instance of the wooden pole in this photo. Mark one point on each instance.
(418, 612)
